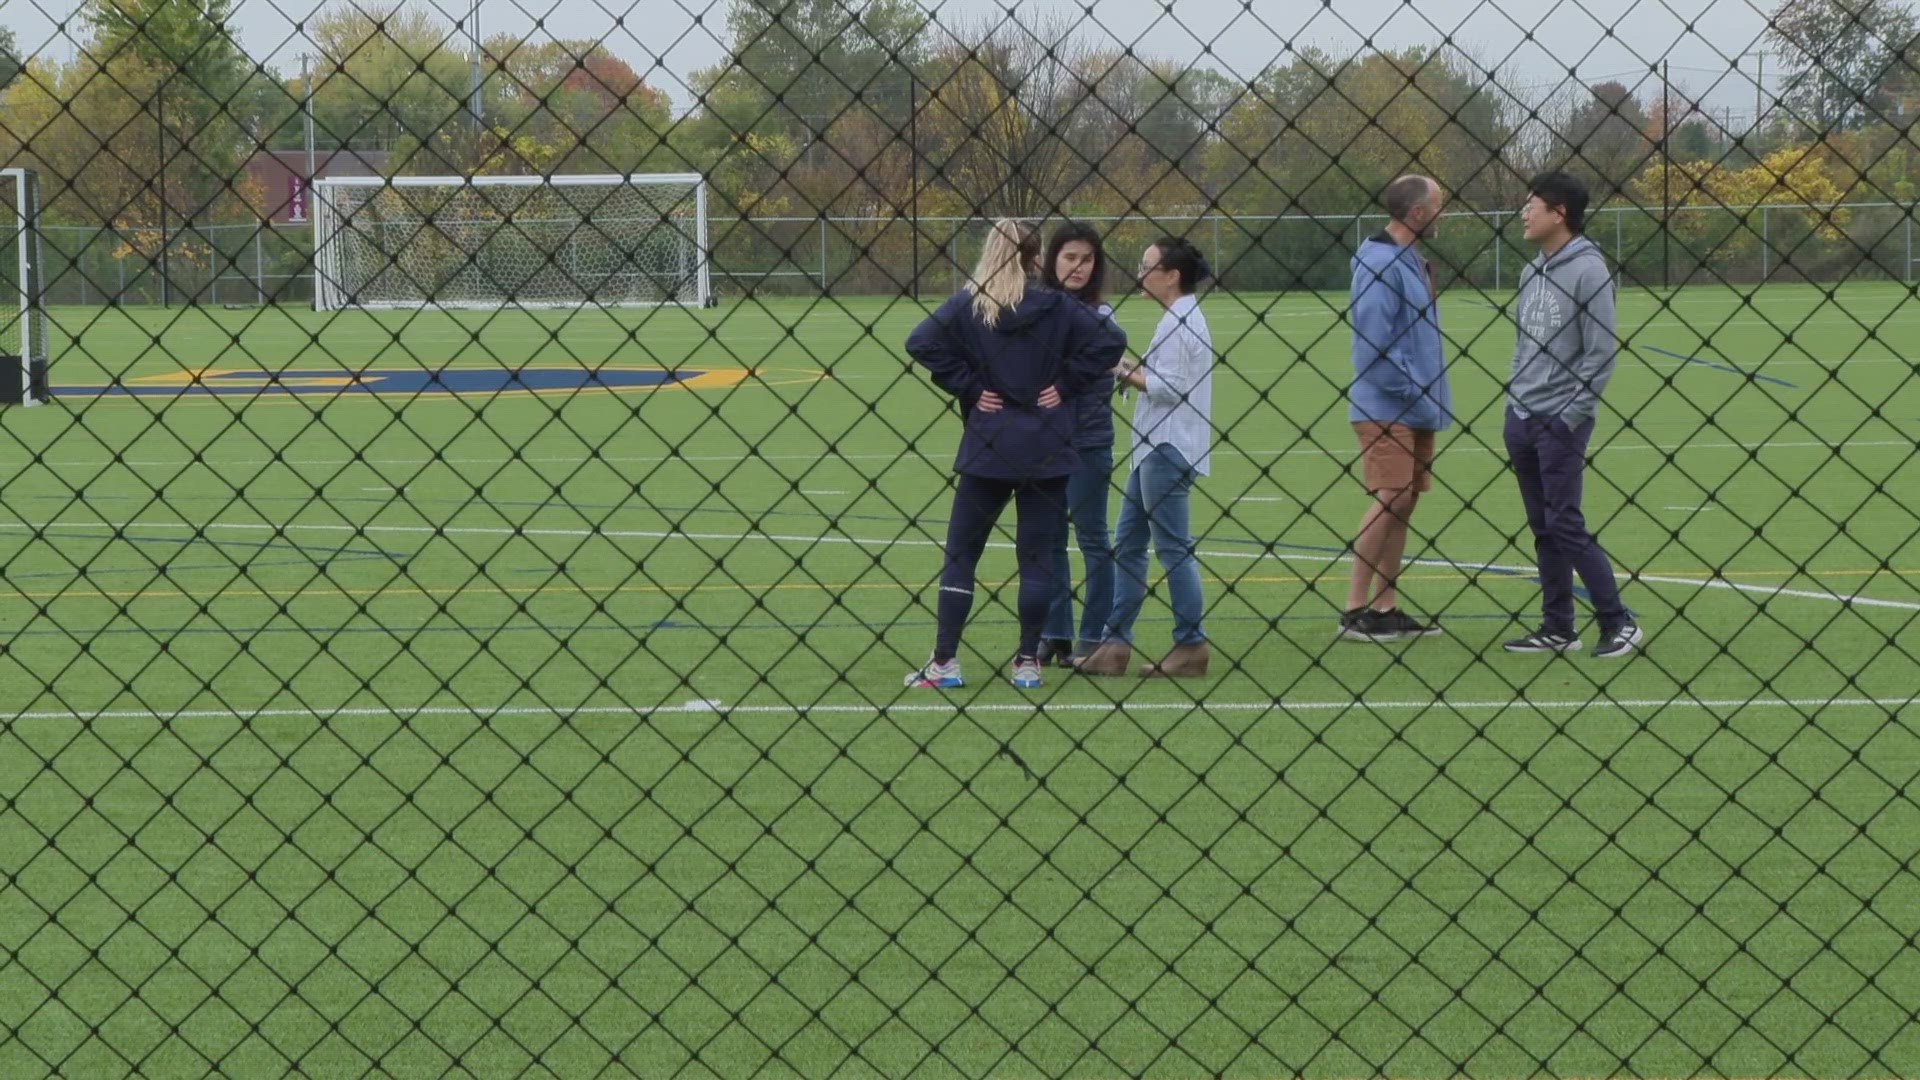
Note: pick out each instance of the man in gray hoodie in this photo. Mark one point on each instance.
(1561, 363)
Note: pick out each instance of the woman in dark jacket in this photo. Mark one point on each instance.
(1076, 265)
(1012, 353)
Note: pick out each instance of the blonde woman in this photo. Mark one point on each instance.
(1010, 351)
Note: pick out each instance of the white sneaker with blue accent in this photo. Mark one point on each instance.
(1026, 673)
(937, 676)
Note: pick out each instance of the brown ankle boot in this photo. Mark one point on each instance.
(1111, 658)
(1183, 662)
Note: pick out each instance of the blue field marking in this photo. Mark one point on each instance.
(311, 555)
(404, 381)
(1728, 368)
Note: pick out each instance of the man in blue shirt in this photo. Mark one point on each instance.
(1399, 401)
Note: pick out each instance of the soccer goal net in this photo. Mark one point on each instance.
(510, 241)
(23, 321)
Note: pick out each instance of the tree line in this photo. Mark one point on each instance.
(877, 108)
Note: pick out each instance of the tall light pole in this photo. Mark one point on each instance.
(913, 187)
(1666, 173)
(1759, 86)
(473, 104)
(306, 84)
(160, 130)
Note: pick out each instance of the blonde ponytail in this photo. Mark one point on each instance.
(999, 281)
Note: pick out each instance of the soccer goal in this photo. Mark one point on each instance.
(510, 241)
(23, 318)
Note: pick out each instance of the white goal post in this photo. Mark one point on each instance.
(23, 313)
(510, 241)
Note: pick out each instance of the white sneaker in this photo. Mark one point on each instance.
(937, 676)
(1026, 673)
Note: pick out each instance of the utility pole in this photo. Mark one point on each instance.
(473, 105)
(1759, 89)
(1666, 173)
(306, 84)
(160, 148)
(913, 186)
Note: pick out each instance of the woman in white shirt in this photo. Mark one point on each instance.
(1172, 444)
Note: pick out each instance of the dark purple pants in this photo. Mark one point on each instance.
(1042, 526)
(1550, 460)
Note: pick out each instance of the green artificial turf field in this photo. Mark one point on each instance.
(378, 732)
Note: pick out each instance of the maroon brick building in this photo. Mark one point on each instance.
(281, 176)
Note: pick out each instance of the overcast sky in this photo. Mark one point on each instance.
(667, 40)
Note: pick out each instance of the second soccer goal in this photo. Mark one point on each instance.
(510, 241)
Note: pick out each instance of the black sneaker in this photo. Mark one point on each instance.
(1405, 625)
(1056, 651)
(1618, 642)
(1544, 641)
(1365, 624)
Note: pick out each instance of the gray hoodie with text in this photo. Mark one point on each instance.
(1565, 317)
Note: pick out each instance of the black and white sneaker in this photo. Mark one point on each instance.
(1405, 625)
(1364, 624)
(1544, 641)
(1621, 641)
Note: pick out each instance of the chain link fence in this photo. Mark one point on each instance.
(270, 262)
(512, 685)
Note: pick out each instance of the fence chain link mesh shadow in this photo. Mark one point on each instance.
(472, 509)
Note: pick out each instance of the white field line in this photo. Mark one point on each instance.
(883, 543)
(946, 707)
(1337, 453)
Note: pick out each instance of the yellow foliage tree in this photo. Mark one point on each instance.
(1796, 185)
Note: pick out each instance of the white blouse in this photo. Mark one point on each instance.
(1176, 409)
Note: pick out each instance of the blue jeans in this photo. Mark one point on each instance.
(1156, 505)
(1087, 509)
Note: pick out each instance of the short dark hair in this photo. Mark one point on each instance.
(1090, 293)
(1178, 254)
(1406, 193)
(1564, 192)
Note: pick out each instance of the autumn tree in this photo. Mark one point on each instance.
(1797, 185)
(196, 84)
(387, 80)
(1010, 108)
(10, 62)
(1842, 57)
(1606, 135)
(1327, 135)
(573, 106)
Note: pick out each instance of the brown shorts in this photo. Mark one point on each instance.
(1394, 457)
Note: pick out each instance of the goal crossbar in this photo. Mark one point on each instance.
(557, 180)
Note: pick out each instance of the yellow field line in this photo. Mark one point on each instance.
(807, 586)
